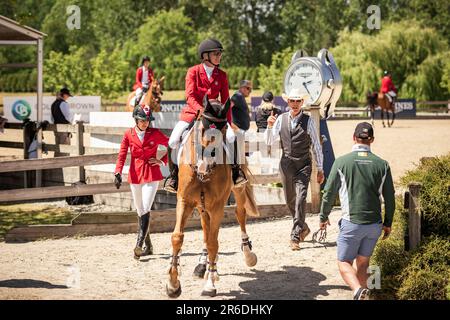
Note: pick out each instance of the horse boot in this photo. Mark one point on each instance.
(144, 222)
(171, 183)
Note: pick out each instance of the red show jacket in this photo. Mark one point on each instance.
(387, 85)
(139, 72)
(197, 85)
(140, 170)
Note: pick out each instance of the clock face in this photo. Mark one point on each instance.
(305, 75)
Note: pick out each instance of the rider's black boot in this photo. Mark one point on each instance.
(148, 250)
(144, 223)
(171, 183)
(239, 177)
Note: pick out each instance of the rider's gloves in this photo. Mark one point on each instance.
(118, 180)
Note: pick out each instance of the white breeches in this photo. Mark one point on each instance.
(143, 196)
(391, 94)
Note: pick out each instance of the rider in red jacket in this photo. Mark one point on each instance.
(144, 79)
(144, 173)
(387, 86)
(203, 79)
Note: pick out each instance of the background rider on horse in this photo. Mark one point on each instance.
(387, 87)
(144, 79)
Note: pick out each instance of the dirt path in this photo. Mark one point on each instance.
(42, 269)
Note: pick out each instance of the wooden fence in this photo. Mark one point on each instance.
(81, 156)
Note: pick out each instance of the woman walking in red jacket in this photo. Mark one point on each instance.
(144, 173)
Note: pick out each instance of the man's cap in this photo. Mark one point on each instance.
(296, 94)
(65, 91)
(364, 130)
(245, 83)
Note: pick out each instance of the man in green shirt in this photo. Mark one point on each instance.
(361, 178)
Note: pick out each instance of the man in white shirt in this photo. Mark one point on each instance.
(297, 134)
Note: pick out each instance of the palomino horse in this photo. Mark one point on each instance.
(379, 99)
(151, 98)
(206, 184)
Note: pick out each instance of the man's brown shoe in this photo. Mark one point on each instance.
(304, 233)
(295, 245)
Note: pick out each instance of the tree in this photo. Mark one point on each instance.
(411, 51)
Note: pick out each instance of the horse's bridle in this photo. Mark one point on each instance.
(203, 177)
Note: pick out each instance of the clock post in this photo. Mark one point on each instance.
(320, 77)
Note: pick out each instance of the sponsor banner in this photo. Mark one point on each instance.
(404, 108)
(172, 105)
(16, 109)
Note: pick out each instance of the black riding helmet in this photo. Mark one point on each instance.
(146, 58)
(143, 113)
(209, 45)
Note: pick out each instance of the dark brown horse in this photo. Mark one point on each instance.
(380, 99)
(151, 98)
(205, 183)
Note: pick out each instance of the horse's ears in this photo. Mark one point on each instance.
(227, 105)
(206, 104)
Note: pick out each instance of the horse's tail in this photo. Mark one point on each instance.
(244, 195)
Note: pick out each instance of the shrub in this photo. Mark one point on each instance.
(427, 275)
(434, 175)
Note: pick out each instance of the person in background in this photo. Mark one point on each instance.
(61, 114)
(144, 173)
(240, 122)
(264, 110)
(387, 86)
(361, 178)
(144, 79)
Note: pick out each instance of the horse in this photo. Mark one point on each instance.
(153, 100)
(206, 184)
(380, 99)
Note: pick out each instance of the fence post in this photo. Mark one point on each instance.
(80, 147)
(25, 155)
(414, 215)
(315, 186)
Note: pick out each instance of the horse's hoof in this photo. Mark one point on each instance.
(173, 293)
(209, 292)
(251, 259)
(199, 271)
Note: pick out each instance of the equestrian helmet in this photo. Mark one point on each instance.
(209, 45)
(386, 72)
(143, 113)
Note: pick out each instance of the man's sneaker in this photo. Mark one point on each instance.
(304, 233)
(362, 294)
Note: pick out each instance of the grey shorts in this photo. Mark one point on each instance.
(357, 239)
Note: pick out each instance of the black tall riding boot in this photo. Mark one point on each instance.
(144, 223)
(136, 102)
(171, 183)
(238, 174)
(148, 245)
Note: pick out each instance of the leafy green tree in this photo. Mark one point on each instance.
(407, 49)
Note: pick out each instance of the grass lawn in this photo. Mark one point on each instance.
(31, 213)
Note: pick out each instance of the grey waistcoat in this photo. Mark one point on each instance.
(296, 142)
